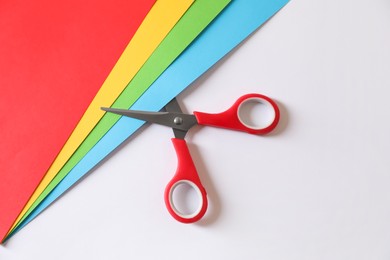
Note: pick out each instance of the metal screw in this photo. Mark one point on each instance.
(178, 120)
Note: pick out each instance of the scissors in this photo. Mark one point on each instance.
(186, 172)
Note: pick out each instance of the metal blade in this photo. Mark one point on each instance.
(174, 120)
(173, 106)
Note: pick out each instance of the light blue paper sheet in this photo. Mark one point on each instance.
(232, 26)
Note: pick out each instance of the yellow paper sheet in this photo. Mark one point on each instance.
(157, 24)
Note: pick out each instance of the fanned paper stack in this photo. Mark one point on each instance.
(60, 61)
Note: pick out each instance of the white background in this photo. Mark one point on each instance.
(317, 188)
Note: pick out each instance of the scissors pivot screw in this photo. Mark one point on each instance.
(178, 120)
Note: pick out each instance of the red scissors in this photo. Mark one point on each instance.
(181, 123)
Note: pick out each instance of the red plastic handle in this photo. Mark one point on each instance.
(185, 173)
(231, 118)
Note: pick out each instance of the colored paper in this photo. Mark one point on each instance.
(54, 56)
(185, 31)
(215, 42)
(159, 21)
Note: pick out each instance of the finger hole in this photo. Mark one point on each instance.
(256, 113)
(185, 199)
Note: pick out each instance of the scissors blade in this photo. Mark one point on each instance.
(174, 107)
(174, 120)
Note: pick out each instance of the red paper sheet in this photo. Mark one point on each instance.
(54, 56)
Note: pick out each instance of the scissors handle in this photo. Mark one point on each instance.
(231, 118)
(185, 174)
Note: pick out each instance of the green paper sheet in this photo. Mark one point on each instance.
(194, 21)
